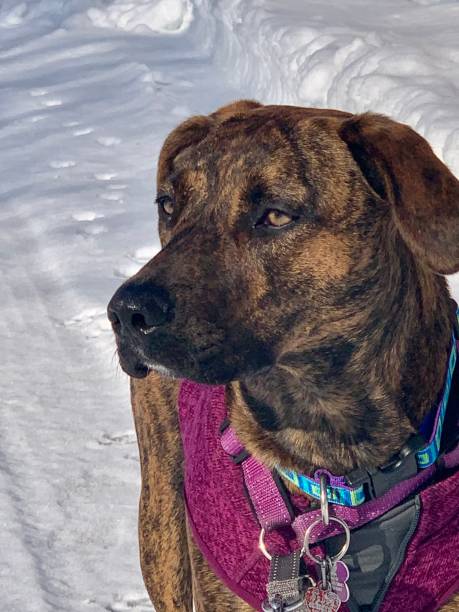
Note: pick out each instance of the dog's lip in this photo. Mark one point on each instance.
(135, 369)
(140, 371)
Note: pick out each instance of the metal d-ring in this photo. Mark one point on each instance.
(261, 544)
(324, 500)
(339, 555)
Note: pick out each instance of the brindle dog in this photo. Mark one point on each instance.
(302, 261)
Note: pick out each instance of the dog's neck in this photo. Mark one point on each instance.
(354, 398)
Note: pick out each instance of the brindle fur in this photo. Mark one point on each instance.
(331, 334)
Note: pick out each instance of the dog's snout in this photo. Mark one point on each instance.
(140, 308)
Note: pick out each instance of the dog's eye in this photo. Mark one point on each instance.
(275, 218)
(166, 204)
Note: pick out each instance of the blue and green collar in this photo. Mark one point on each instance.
(361, 485)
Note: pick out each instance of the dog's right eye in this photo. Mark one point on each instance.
(166, 204)
(275, 218)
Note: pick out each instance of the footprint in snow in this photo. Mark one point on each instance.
(124, 603)
(36, 118)
(88, 314)
(86, 215)
(35, 93)
(105, 176)
(130, 602)
(93, 321)
(83, 131)
(94, 229)
(53, 102)
(137, 259)
(132, 457)
(15, 16)
(62, 163)
(118, 438)
(108, 141)
(112, 197)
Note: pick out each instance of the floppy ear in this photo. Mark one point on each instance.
(400, 167)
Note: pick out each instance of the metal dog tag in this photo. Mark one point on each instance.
(321, 600)
(284, 589)
(339, 575)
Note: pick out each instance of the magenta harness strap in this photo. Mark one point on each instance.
(269, 505)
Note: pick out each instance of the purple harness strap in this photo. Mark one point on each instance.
(269, 505)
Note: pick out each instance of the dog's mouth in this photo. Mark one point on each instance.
(205, 364)
(132, 364)
(136, 370)
(209, 364)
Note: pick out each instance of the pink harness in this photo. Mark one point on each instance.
(227, 532)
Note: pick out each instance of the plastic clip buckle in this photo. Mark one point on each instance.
(378, 481)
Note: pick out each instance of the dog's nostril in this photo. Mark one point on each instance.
(139, 322)
(139, 309)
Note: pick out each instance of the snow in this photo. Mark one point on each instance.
(88, 91)
(141, 16)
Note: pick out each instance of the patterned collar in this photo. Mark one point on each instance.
(420, 452)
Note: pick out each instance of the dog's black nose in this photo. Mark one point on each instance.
(140, 308)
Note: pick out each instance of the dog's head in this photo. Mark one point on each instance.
(279, 224)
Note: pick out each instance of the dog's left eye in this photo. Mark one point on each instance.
(166, 204)
(275, 218)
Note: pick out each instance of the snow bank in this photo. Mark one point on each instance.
(392, 57)
(39, 12)
(140, 16)
(166, 16)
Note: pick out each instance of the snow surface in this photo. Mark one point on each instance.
(88, 91)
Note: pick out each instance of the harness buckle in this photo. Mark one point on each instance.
(379, 480)
(240, 456)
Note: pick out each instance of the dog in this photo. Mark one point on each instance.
(301, 271)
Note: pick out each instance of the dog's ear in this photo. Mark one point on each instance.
(188, 133)
(400, 167)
